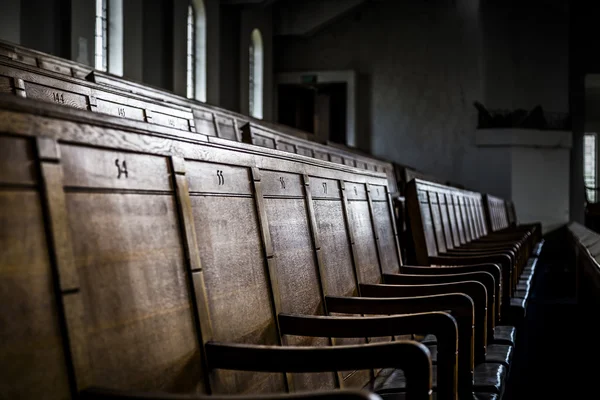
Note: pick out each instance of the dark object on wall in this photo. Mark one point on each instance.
(536, 118)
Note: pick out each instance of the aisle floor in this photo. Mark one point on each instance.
(554, 358)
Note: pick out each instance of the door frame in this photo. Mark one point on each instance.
(349, 77)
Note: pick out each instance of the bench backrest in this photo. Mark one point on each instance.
(497, 212)
(585, 245)
(132, 246)
(443, 217)
(207, 119)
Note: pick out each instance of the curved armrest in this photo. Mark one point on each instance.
(97, 393)
(485, 278)
(459, 305)
(482, 252)
(475, 290)
(493, 269)
(411, 357)
(500, 259)
(441, 324)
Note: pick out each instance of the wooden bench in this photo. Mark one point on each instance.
(586, 248)
(208, 120)
(449, 227)
(362, 221)
(140, 254)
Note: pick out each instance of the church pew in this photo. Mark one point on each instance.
(585, 244)
(373, 249)
(462, 237)
(120, 207)
(35, 83)
(61, 86)
(42, 60)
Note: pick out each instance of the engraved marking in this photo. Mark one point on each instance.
(282, 181)
(171, 122)
(58, 98)
(325, 187)
(220, 177)
(355, 191)
(122, 169)
(121, 112)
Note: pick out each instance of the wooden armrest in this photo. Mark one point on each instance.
(96, 393)
(441, 324)
(485, 278)
(460, 305)
(475, 290)
(411, 357)
(493, 269)
(482, 252)
(502, 260)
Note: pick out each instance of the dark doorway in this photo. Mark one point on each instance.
(318, 108)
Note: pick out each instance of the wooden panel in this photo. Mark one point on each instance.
(390, 264)
(297, 275)
(349, 161)
(26, 59)
(236, 281)
(321, 155)
(465, 219)
(218, 178)
(445, 220)
(263, 141)
(134, 284)
(31, 351)
(204, 122)
(459, 220)
(356, 191)
(336, 159)
(336, 252)
(281, 184)
(120, 110)
(5, 84)
(52, 95)
(378, 193)
(16, 156)
(226, 128)
(284, 146)
(170, 120)
(362, 230)
(428, 228)
(452, 219)
(89, 167)
(437, 222)
(50, 66)
(302, 151)
(324, 188)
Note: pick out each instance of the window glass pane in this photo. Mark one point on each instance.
(101, 42)
(589, 165)
(190, 52)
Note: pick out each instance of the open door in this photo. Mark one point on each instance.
(315, 108)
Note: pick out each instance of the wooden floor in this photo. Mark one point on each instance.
(555, 358)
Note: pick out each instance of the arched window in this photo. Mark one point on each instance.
(196, 51)
(109, 28)
(255, 93)
(115, 37)
(101, 36)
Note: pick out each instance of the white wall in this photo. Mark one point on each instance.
(530, 166)
(540, 186)
(421, 65)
